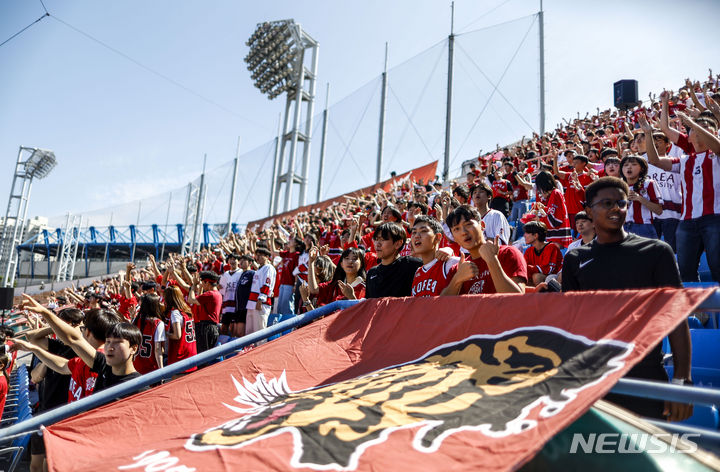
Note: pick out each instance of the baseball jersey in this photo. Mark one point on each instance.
(153, 331)
(700, 181)
(82, 379)
(262, 286)
(637, 212)
(556, 219)
(179, 349)
(228, 285)
(547, 261)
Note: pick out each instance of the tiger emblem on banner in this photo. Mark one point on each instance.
(485, 383)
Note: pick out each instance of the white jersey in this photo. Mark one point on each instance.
(228, 284)
(495, 225)
(262, 287)
(670, 188)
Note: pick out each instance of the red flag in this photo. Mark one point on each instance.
(464, 383)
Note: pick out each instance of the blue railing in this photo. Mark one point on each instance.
(131, 386)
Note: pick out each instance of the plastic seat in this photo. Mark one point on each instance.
(704, 417)
(694, 322)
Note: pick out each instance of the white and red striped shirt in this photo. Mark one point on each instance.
(262, 286)
(432, 278)
(700, 181)
(637, 212)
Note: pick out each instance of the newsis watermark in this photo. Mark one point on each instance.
(635, 443)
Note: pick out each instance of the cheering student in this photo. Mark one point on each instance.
(434, 275)
(180, 327)
(207, 314)
(82, 380)
(494, 221)
(699, 224)
(542, 258)
(152, 328)
(260, 301)
(227, 286)
(492, 268)
(113, 366)
(617, 260)
(348, 281)
(394, 275)
(553, 211)
(644, 197)
(586, 230)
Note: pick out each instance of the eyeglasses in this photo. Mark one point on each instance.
(607, 204)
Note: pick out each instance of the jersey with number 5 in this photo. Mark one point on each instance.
(179, 349)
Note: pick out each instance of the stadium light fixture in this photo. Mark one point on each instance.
(273, 58)
(40, 163)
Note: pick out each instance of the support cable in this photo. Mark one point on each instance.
(487, 102)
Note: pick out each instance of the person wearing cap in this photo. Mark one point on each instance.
(207, 310)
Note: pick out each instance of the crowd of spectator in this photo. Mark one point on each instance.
(601, 190)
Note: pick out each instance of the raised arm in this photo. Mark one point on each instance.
(665, 163)
(66, 333)
(57, 363)
(706, 137)
(312, 280)
(672, 134)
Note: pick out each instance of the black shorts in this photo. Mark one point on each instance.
(227, 317)
(37, 445)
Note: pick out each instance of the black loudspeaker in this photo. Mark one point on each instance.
(6, 298)
(625, 93)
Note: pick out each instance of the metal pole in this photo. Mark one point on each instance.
(308, 123)
(448, 111)
(137, 230)
(7, 249)
(542, 68)
(275, 185)
(381, 129)
(198, 222)
(290, 176)
(167, 220)
(281, 160)
(323, 143)
(232, 189)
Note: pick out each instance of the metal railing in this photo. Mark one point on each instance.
(131, 386)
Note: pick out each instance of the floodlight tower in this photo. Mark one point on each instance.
(32, 163)
(283, 59)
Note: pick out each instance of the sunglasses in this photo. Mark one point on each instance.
(607, 204)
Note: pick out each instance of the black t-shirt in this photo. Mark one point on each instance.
(393, 280)
(55, 385)
(106, 378)
(633, 263)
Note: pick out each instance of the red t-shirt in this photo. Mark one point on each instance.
(82, 379)
(511, 261)
(287, 266)
(210, 306)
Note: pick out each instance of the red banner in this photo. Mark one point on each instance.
(425, 173)
(425, 383)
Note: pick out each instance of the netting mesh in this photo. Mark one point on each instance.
(495, 102)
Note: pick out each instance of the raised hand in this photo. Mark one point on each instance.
(313, 254)
(644, 125)
(490, 249)
(346, 290)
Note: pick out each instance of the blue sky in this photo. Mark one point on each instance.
(121, 132)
